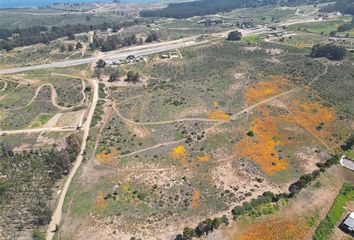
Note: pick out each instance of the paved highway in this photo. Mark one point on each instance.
(114, 55)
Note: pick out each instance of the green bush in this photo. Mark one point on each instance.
(38, 235)
(327, 225)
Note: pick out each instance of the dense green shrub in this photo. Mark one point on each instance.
(330, 51)
(234, 36)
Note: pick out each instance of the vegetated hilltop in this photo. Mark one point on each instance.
(18, 37)
(206, 7)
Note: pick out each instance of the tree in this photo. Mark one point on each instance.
(234, 36)
(332, 33)
(133, 77)
(116, 28)
(70, 48)
(45, 39)
(71, 36)
(38, 235)
(114, 76)
(188, 233)
(152, 37)
(62, 48)
(100, 63)
(78, 45)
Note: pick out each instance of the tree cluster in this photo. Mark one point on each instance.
(306, 179)
(346, 26)
(248, 207)
(203, 7)
(330, 51)
(113, 42)
(30, 178)
(152, 37)
(18, 37)
(203, 228)
(234, 36)
(343, 6)
(349, 143)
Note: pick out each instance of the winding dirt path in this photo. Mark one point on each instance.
(152, 147)
(164, 122)
(53, 99)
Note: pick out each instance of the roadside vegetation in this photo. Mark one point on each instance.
(326, 226)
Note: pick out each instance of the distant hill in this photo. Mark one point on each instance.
(204, 7)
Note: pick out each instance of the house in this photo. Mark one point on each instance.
(348, 223)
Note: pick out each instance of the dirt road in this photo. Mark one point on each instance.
(56, 218)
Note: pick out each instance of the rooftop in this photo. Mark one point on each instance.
(349, 221)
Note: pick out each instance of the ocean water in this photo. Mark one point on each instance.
(42, 3)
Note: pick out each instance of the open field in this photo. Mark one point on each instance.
(197, 135)
(201, 138)
(43, 99)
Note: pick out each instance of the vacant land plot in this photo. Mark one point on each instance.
(209, 131)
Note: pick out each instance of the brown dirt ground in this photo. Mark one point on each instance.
(306, 203)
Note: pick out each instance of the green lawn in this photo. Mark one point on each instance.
(251, 38)
(322, 27)
(350, 153)
(325, 228)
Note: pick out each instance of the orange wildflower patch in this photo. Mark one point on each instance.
(179, 152)
(219, 115)
(107, 158)
(276, 230)
(203, 158)
(265, 89)
(195, 199)
(261, 147)
(312, 115)
(100, 202)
